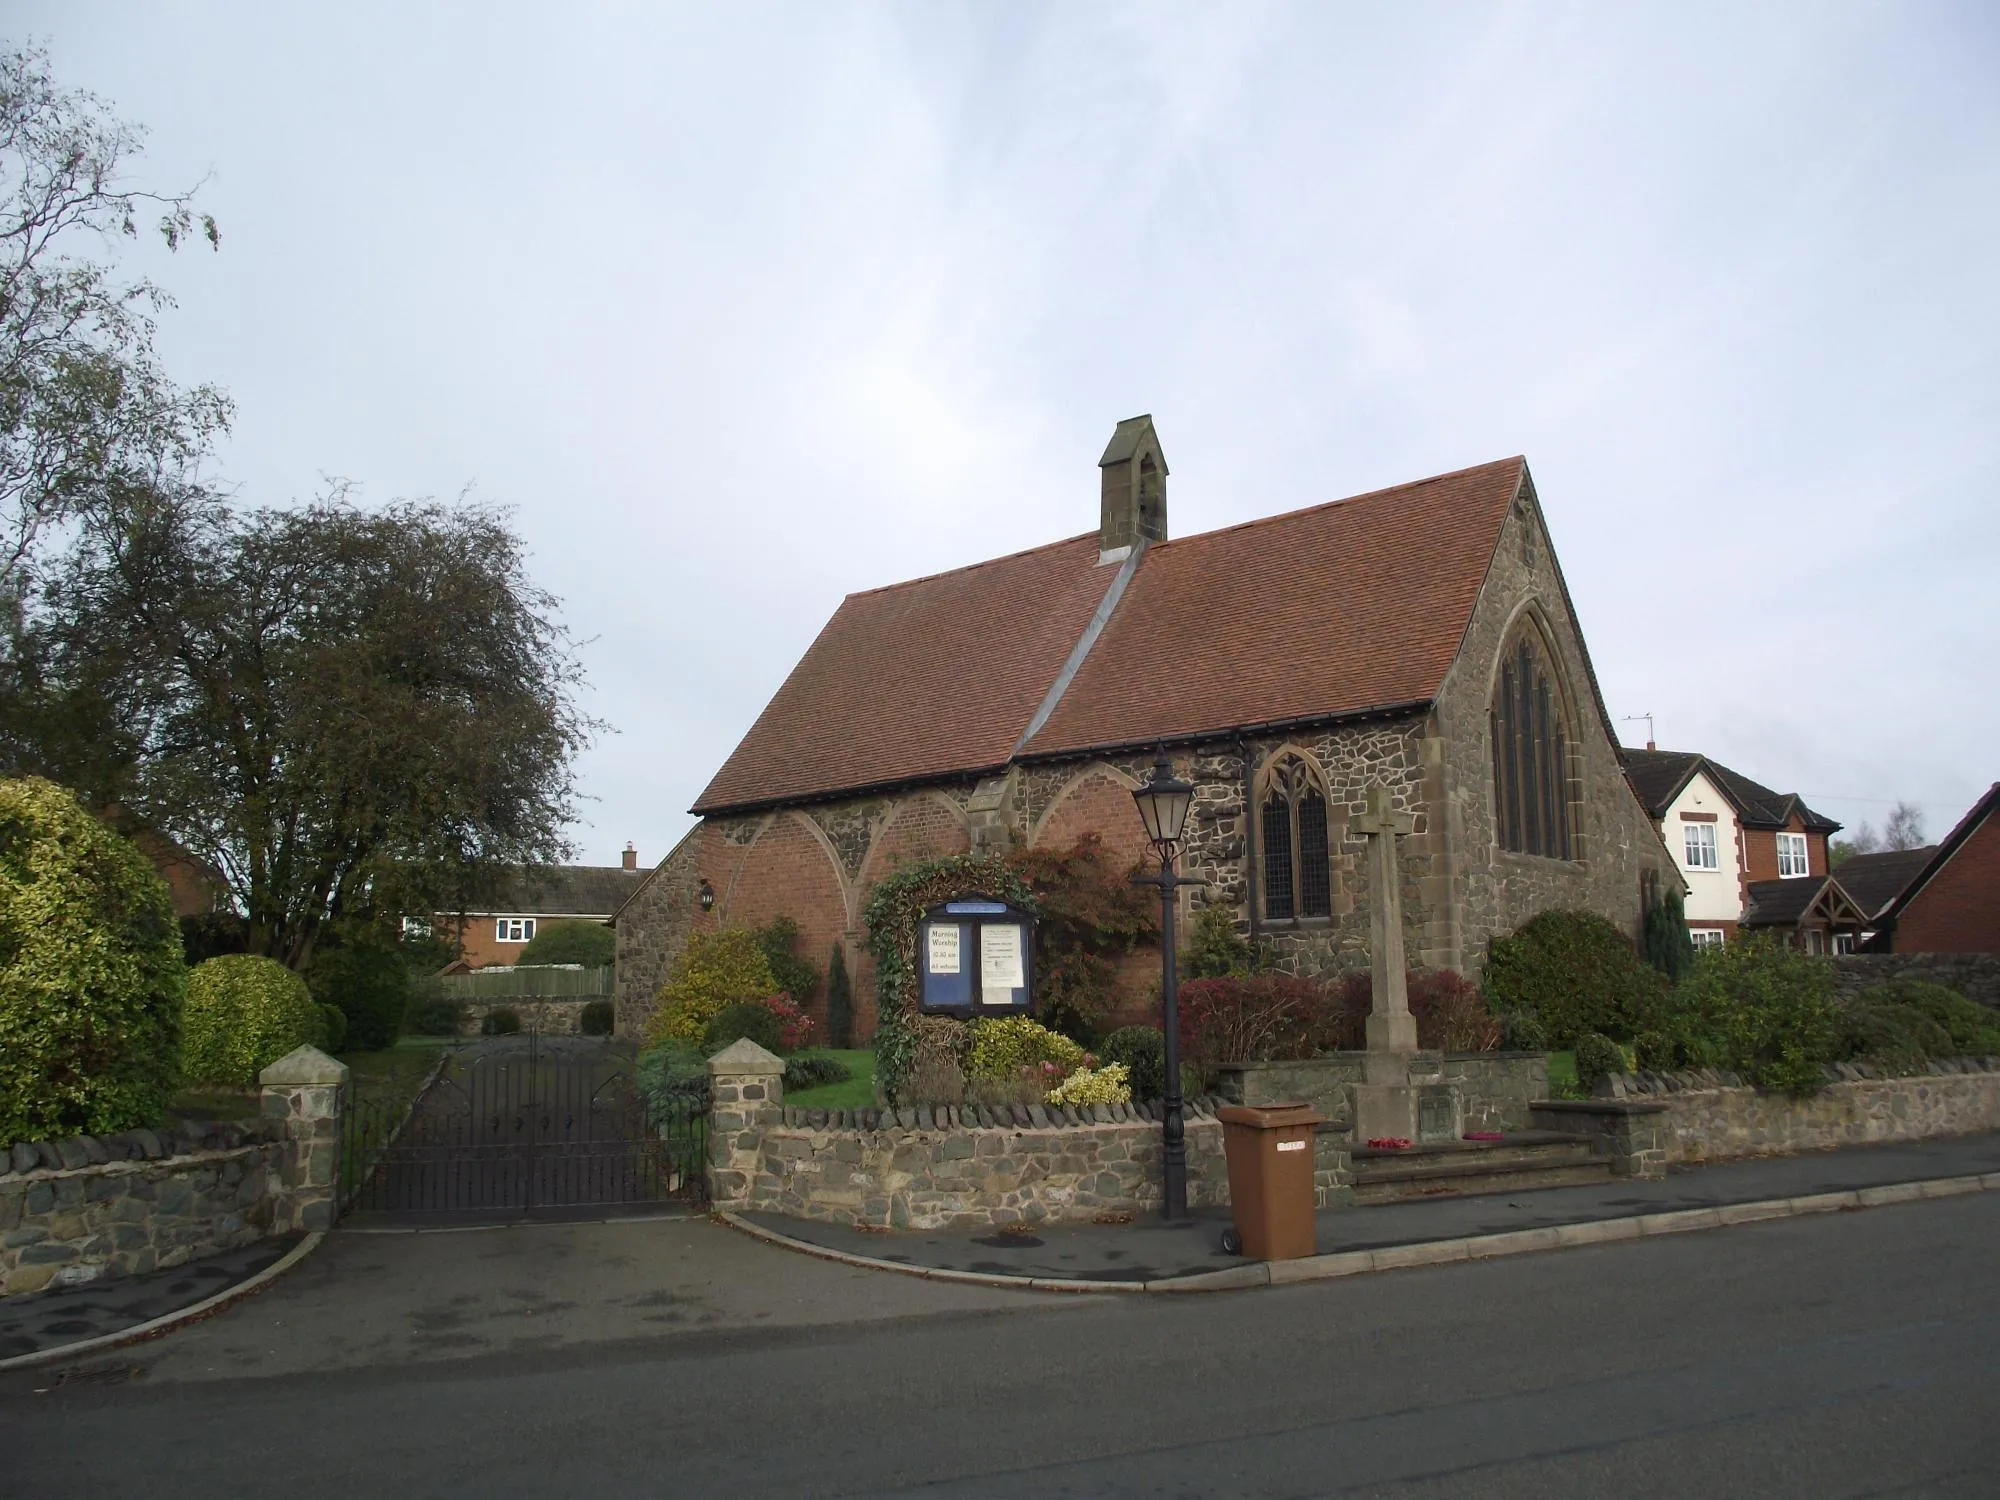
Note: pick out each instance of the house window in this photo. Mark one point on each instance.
(1291, 825)
(1705, 937)
(416, 927)
(1843, 942)
(1531, 786)
(514, 930)
(1791, 855)
(1700, 845)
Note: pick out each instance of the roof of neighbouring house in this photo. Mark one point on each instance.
(561, 891)
(1941, 856)
(1782, 903)
(1657, 777)
(1874, 880)
(1338, 610)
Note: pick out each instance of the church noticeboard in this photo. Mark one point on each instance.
(975, 957)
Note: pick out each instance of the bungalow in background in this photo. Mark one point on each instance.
(495, 936)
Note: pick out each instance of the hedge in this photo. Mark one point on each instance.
(243, 1013)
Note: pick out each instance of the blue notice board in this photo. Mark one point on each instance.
(975, 957)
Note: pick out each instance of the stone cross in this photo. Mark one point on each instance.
(1391, 1027)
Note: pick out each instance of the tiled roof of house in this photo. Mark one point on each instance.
(1874, 880)
(1781, 903)
(1657, 776)
(562, 891)
(1335, 610)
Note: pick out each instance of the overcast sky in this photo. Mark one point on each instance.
(745, 307)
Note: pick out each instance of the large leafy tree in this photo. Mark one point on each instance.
(86, 413)
(352, 713)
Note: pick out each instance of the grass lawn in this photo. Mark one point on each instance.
(857, 1093)
(1562, 1076)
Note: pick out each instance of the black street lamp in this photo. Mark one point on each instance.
(1163, 808)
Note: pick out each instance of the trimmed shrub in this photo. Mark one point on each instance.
(1971, 1030)
(839, 1001)
(332, 1028)
(597, 1018)
(791, 975)
(372, 988)
(1575, 973)
(1668, 946)
(1655, 1053)
(505, 1021)
(745, 1018)
(1143, 1052)
(1105, 1085)
(592, 944)
(244, 1012)
(1759, 1008)
(814, 1072)
(433, 1017)
(1596, 1056)
(1215, 950)
(1003, 1046)
(713, 971)
(1522, 1031)
(1894, 1038)
(91, 977)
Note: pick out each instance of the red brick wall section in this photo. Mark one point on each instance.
(1760, 850)
(788, 872)
(1958, 909)
(923, 826)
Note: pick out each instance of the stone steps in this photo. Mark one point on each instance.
(1526, 1161)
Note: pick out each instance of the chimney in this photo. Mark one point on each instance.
(1134, 490)
(631, 855)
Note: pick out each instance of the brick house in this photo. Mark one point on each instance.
(1420, 637)
(1876, 880)
(1751, 857)
(1952, 904)
(495, 935)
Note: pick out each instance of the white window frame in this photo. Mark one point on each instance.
(1706, 937)
(1843, 944)
(1698, 844)
(1794, 856)
(416, 927)
(514, 930)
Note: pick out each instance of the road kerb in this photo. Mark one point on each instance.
(1342, 1263)
(170, 1320)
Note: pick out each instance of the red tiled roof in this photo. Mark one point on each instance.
(1341, 608)
(1338, 609)
(927, 678)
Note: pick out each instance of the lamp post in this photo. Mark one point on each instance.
(1163, 808)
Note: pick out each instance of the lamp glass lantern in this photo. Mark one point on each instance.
(1163, 805)
(707, 896)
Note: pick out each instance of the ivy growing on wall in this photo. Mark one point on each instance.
(893, 913)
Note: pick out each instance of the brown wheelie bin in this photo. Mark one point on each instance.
(1270, 1151)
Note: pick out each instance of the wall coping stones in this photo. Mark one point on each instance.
(974, 1117)
(80, 1153)
(1691, 1080)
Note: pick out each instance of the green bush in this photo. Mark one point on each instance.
(1759, 1008)
(713, 970)
(790, 974)
(1596, 1056)
(1894, 1038)
(434, 1017)
(1522, 1031)
(839, 1001)
(91, 977)
(332, 1028)
(1668, 946)
(1143, 1050)
(1655, 1052)
(505, 1021)
(598, 1018)
(1002, 1046)
(814, 1072)
(745, 1018)
(372, 988)
(1972, 1030)
(592, 944)
(672, 1078)
(243, 1012)
(1575, 973)
(1215, 950)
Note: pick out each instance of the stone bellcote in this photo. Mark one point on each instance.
(1134, 489)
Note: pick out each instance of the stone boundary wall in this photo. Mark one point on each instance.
(1974, 975)
(1713, 1116)
(1497, 1089)
(137, 1202)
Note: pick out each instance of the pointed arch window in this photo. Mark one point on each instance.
(1291, 831)
(1532, 810)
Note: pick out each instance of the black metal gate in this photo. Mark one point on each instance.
(522, 1127)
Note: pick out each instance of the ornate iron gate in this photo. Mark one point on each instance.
(522, 1127)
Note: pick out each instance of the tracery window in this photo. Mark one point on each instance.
(1292, 835)
(1531, 785)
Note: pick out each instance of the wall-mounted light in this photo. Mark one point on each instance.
(707, 896)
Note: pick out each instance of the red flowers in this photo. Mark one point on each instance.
(1390, 1143)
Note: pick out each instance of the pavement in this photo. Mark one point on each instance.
(1144, 1249)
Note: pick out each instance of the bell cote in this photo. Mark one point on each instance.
(1134, 490)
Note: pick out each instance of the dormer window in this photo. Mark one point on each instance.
(1792, 856)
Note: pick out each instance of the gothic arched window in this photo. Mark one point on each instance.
(1531, 791)
(1292, 835)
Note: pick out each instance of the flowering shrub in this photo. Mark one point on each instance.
(1106, 1085)
(1004, 1045)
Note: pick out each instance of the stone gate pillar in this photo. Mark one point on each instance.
(302, 1089)
(746, 1085)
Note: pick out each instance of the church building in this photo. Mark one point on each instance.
(1419, 638)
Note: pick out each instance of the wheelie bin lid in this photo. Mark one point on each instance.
(1269, 1116)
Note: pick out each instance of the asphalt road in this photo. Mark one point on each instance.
(1841, 1355)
